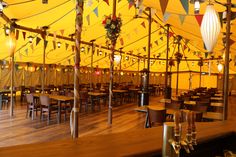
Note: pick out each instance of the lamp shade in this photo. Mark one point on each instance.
(210, 28)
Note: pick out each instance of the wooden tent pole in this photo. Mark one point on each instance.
(200, 79)
(226, 68)
(91, 65)
(120, 66)
(111, 71)
(78, 30)
(167, 57)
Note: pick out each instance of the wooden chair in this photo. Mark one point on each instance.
(156, 117)
(31, 106)
(84, 100)
(46, 105)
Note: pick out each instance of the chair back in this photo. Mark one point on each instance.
(30, 98)
(83, 95)
(156, 117)
(44, 100)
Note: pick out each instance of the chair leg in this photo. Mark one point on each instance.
(32, 113)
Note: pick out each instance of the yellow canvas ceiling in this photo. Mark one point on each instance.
(60, 17)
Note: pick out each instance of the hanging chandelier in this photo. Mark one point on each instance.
(210, 28)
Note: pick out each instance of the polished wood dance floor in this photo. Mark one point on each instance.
(22, 130)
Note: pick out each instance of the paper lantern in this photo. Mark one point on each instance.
(210, 28)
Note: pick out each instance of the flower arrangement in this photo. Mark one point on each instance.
(171, 62)
(112, 24)
(178, 57)
(200, 62)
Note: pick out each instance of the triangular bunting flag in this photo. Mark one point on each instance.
(55, 36)
(107, 1)
(54, 44)
(188, 49)
(131, 3)
(186, 41)
(181, 18)
(206, 54)
(163, 4)
(45, 44)
(17, 34)
(121, 41)
(32, 46)
(171, 34)
(185, 5)
(156, 42)
(26, 51)
(143, 24)
(67, 45)
(204, 46)
(96, 11)
(68, 61)
(231, 42)
(185, 47)
(119, 1)
(62, 31)
(161, 38)
(199, 19)
(221, 18)
(24, 34)
(89, 3)
(88, 19)
(73, 48)
(37, 40)
(144, 48)
(166, 16)
(88, 49)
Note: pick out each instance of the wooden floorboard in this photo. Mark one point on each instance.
(22, 130)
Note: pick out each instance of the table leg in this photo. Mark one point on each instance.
(146, 125)
(0, 101)
(59, 111)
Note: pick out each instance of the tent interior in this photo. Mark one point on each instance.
(132, 44)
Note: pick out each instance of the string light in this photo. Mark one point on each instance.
(30, 39)
(58, 44)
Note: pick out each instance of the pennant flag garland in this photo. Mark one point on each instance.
(96, 11)
(45, 44)
(181, 18)
(188, 49)
(185, 47)
(68, 61)
(88, 49)
(17, 34)
(119, 1)
(88, 19)
(156, 42)
(199, 19)
(163, 4)
(26, 51)
(73, 48)
(221, 18)
(54, 44)
(204, 46)
(186, 41)
(166, 16)
(32, 46)
(185, 5)
(143, 24)
(161, 38)
(107, 1)
(89, 3)
(131, 3)
(144, 48)
(37, 40)
(206, 54)
(67, 45)
(171, 34)
(121, 41)
(24, 34)
(55, 36)
(62, 31)
(231, 42)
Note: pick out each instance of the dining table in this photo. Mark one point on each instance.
(97, 96)
(119, 93)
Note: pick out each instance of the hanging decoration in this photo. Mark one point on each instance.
(113, 27)
(200, 62)
(171, 62)
(210, 28)
(163, 4)
(199, 19)
(178, 57)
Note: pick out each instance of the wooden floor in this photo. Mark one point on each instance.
(20, 130)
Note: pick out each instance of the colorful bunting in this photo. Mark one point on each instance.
(166, 16)
(26, 51)
(45, 44)
(163, 4)
(73, 48)
(24, 34)
(143, 24)
(55, 36)
(199, 19)
(185, 5)
(121, 41)
(156, 42)
(161, 38)
(221, 18)
(62, 31)
(32, 46)
(96, 11)
(107, 2)
(171, 34)
(67, 45)
(54, 44)
(206, 54)
(88, 19)
(185, 47)
(17, 34)
(181, 18)
(89, 3)
(144, 48)
(37, 40)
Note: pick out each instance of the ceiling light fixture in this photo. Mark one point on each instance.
(197, 5)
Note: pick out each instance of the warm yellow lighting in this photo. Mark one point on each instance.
(58, 69)
(11, 44)
(117, 59)
(58, 44)
(121, 73)
(30, 39)
(220, 67)
(210, 28)
(196, 6)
